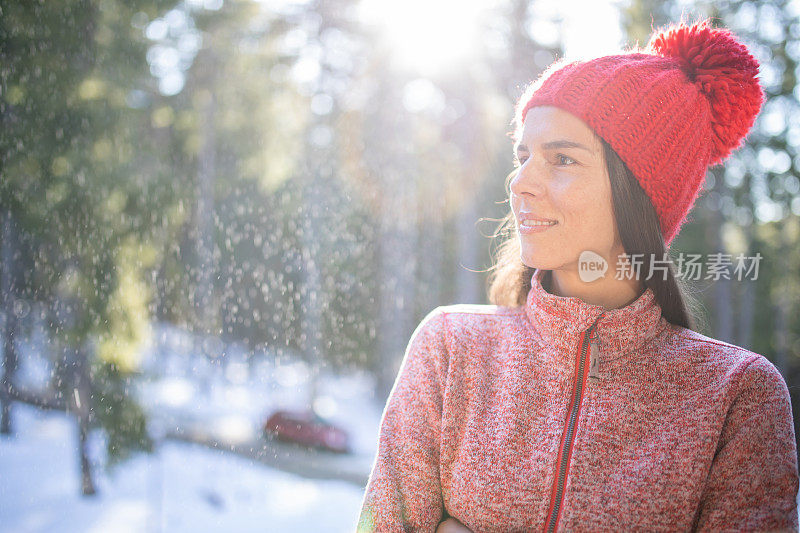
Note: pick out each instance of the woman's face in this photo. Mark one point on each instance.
(562, 177)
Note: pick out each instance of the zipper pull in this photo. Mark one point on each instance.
(594, 366)
(594, 351)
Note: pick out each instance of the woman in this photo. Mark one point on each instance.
(583, 404)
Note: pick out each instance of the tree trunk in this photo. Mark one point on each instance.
(723, 304)
(747, 299)
(7, 275)
(204, 305)
(431, 237)
(81, 403)
(783, 305)
(205, 218)
(464, 132)
(397, 234)
(468, 282)
(313, 294)
(398, 250)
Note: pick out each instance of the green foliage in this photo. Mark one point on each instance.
(77, 174)
(122, 419)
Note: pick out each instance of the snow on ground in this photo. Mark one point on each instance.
(182, 487)
(229, 390)
(233, 397)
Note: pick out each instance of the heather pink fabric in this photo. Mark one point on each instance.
(679, 432)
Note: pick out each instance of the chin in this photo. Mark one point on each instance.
(540, 261)
(548, 257)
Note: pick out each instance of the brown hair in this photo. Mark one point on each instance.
(509, 280)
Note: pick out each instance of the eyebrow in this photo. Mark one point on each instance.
(552, 145)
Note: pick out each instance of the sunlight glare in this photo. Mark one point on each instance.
(591, 27)
(426, 35)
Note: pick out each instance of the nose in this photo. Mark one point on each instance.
(525, 181)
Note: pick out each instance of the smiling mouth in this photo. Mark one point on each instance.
(531, 227)
(536, 223)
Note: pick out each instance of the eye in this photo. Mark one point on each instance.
(562, 157)
(519, 161)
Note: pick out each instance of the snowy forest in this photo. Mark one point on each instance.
(221, 219)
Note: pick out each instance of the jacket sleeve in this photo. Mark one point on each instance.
(403, 492)
(753, 481)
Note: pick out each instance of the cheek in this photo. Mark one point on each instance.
(576, 199)
(587, 209)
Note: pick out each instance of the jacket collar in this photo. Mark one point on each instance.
(561, 320)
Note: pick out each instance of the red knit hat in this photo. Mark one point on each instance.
(683, 103)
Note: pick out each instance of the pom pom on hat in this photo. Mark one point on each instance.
(722, 69)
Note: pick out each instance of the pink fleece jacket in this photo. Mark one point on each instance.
(565, 416)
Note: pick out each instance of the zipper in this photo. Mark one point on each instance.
(594, 357)
(565, 451)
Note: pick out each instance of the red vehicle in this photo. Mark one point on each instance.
(307, 428)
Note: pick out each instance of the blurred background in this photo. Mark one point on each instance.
(221, 221)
